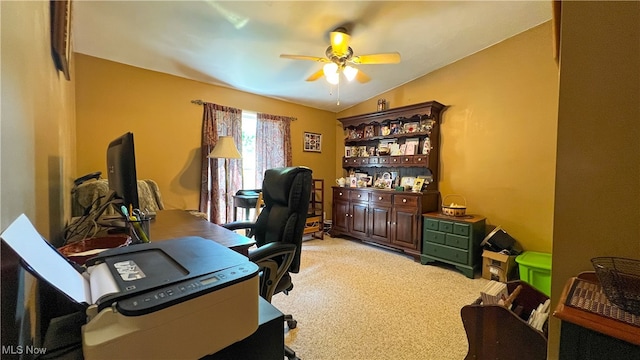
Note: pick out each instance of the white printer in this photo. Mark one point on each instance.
(183, 298)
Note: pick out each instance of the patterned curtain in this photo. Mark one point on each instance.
(215, 200)
(273, 143)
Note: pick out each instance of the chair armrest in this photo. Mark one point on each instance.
(272, 269)
(238, 225)
(271, 250)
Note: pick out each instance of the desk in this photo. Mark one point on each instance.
(590, 336)
(267, 343)
(246, 202)
(171, 224)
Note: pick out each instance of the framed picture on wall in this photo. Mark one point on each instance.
(61, 34)
(312, 142)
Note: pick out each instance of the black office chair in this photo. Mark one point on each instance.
(278, 231)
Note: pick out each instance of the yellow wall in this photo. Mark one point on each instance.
(498, 134)
(37, 137)
(113, 98)
(597, 201)
(38, 121)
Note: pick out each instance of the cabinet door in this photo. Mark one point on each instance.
(358, 215)
(404, 227)
(341, 217)
(379, 221)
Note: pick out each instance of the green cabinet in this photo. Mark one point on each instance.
(453, 240)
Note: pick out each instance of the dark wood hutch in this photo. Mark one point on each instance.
(386, 216)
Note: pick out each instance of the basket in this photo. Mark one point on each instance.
(454, 209)
(620, 280)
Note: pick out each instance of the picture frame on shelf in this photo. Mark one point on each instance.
(426, 146)
(347, 151)
(412, 146)
(417, 185)
(369, 131)
(395, 128)
(403, 149)
(407, 182)
(312, 142)
(411, 127)
(395, 149)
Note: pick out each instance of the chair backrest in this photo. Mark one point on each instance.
(286, 193)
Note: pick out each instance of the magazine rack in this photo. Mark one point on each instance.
(495, 332)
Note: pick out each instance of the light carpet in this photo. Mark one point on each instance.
(359, 301)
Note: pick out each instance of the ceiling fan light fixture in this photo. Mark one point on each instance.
(333, 79)
(330, 69)
(350, 72)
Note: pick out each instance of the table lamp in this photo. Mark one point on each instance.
(225, 149)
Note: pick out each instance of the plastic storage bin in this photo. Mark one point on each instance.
(535, 270)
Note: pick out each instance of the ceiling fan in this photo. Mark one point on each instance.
(340, 58)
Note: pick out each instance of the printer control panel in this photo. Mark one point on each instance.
(160, 298)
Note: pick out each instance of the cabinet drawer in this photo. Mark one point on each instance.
(380, 199)
(431, 224)
(461, 229)
(341, 194)
(421, 160)
(407, 159)
(359, 196)
(405, 200)
(364, 161)
(354, 161)
(446, 226)
(395, 160)
(446, 253)
(457, 241)
(373, 160)
(346, 161)
(383, 160)
(434, 236)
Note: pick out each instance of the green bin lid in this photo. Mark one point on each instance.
(535, 260)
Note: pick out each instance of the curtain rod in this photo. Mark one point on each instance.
(200, 102)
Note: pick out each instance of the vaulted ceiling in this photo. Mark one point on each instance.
(237, 44)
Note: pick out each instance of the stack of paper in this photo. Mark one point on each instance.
(493, 292)
(539, 315)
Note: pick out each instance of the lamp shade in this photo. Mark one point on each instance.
(225, 149)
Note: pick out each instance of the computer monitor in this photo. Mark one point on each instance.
(121, 170)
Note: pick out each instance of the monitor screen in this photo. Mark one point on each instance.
(121, 170)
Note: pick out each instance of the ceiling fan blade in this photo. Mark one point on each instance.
(362, 77)
(385, 58)
(316, 75)
(340, 42)
(303, 57)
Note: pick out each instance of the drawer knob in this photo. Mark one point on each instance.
(340, 194)
(379, 197)
(406, 159)
(358, 195)
(404, 200)
(347, 215)
(419, 159)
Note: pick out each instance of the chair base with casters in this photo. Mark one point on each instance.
(278, 232)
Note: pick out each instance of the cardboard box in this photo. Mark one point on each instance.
(497, 266)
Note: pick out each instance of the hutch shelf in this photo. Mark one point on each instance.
(405, 142)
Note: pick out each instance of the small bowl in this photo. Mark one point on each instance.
(77, 252)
